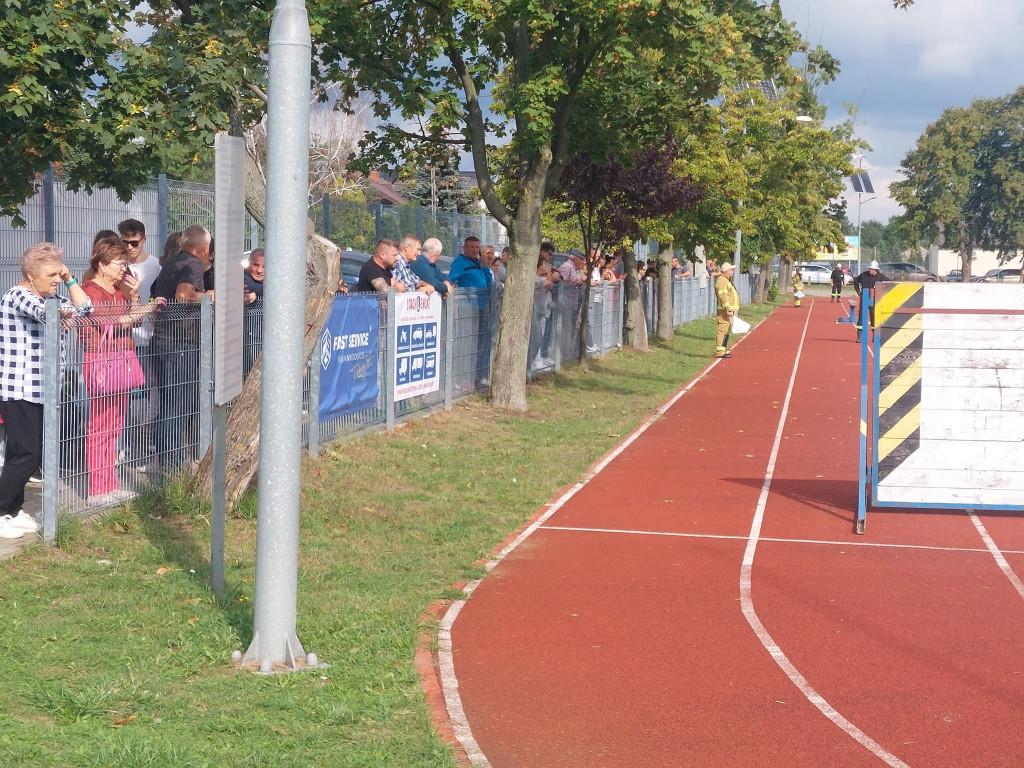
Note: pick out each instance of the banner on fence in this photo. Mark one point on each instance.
(348, 357)
(417, 327)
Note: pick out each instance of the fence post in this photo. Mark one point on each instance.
(389, 364)
(51, 419)
(419, 223)
(205, 375)
(49, 206)
(161, 209)
(622, 314)
(449, 350)
(325, 203)
(556, 335)
(378, 222)
(313, 407)
(455, 234)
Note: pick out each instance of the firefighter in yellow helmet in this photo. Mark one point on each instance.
(728, 304)
(798, 287)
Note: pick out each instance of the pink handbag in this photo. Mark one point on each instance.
(110, 371)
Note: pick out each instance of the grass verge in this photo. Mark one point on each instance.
(116, 652)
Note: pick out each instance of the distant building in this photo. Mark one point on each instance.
(386, 191)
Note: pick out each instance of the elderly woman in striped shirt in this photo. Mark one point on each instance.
(22, 324)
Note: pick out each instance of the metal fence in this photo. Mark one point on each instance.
(104, 446)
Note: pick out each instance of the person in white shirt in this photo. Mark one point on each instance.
(145, 407)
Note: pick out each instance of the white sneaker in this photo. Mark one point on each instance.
(24, 522)
(8, 530)
(593, 350)
(100, 500)
(120, 494)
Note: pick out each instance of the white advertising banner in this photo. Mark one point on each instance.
(416, 344)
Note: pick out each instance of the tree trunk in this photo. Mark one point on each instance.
(583, 316)
(508, 377)
(243, 424)
(665, 284)
(635, 327)
(761, 291)
(785, 277)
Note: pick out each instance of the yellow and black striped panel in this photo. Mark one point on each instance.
(899, 375)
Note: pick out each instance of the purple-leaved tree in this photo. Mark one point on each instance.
(617, 201)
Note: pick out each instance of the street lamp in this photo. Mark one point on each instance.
(861, 183)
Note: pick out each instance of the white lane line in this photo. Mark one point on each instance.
(997, 554)
(778, 540)
(747, 602)
(446, 662)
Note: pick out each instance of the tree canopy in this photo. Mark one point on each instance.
(963, 183)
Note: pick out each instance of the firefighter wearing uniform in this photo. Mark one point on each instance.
(838, 277)
(728, 304)
(798, 287)
(866, 281)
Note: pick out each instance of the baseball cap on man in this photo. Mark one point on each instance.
(873, 265)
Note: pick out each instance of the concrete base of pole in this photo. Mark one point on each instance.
(296, 658)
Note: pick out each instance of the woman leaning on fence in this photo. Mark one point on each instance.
(110, 369)
(22, 327)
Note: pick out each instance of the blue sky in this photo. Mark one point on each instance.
(904, 68)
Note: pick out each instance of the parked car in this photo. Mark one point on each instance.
(955, 276)
(816, 274)
(905, 271)
(1002, 275)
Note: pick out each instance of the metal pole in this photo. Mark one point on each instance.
(378, 223)
(325, 203)
(860, 245)
(51, 418)
(314, 406)
(389, 365)
(161, 209)
(218, 513)
(449, 350)
(556, 335)
(205, 375)
(49, 206)
(277, 533)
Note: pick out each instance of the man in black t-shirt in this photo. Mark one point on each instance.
(866, 281)
(375, 275)
(176, 347)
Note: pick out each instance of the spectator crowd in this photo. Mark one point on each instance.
(137, 323)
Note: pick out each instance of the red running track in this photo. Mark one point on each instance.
(621, 632)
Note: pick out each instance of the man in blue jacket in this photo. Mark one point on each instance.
(468, 272)
(426, 267)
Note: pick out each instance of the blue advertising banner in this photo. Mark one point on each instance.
(348, 357)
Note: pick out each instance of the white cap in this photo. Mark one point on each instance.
(727, 265)
(873, 265)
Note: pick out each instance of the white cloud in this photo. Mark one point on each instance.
(904, 68)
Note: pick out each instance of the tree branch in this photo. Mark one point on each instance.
(424, 137)
(478, 138)
(256, 90)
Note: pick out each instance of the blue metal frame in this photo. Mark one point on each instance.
(864, 471)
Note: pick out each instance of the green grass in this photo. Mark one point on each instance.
(116, 653)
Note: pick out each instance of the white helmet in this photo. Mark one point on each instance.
(873, 265)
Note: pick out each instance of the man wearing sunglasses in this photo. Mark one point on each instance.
(145, 407)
